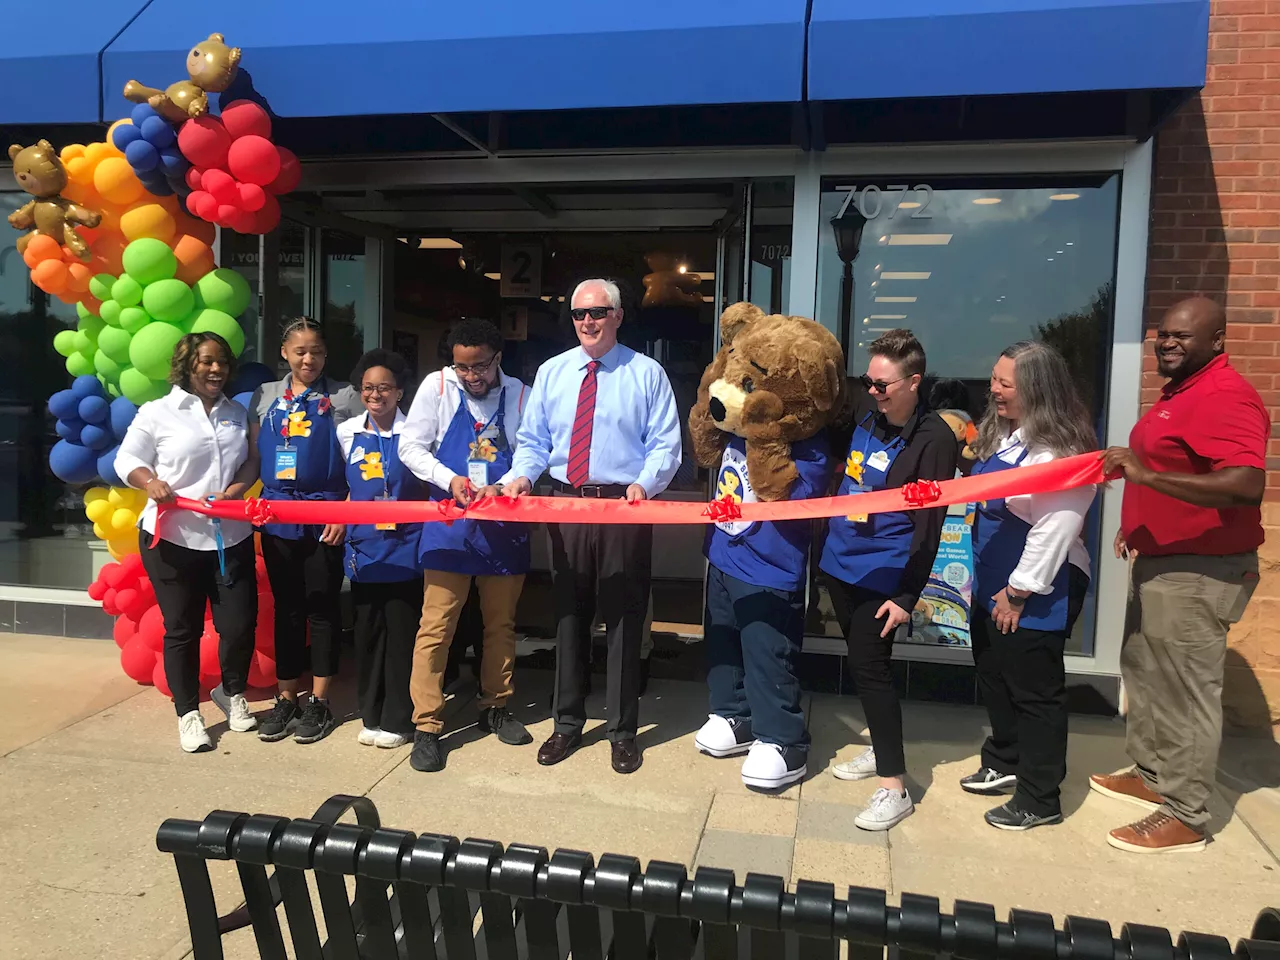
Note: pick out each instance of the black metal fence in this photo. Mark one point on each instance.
(430, 897)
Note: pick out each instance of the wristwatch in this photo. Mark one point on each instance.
(1014, 600)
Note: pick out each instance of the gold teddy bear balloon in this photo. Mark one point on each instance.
(212, 67)
(39, 172)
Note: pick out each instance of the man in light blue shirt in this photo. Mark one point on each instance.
(602, 420)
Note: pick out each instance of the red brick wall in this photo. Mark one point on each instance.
(1215, 230)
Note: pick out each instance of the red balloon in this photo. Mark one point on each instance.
(228, 215)
(262, 671)
(204, 141)
(268, 218)
(244, 118)
(123, 631)
(132, 563)
(132, 604)
(254, 160)
(158, 678)
(252, 196)
(243, 221)
(138, 661)
(109, 603)
(145, 588)
(194, 177)
(221, 185)
(113, 574)
(209, 663)
(97, 590)
(290, 174)
(151, 628)
(202, 205)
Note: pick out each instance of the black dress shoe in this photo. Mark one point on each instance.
(626, 756)
(557, 747)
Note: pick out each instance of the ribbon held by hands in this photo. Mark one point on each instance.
(1065, 474)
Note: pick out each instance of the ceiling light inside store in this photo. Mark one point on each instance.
(919, 239)
(682, 268)
(1050, 259)
(438, 243)
(493, 276)
(906, 275)
(1065, 196)
(895, 299)
(986, 201)
(888, 316)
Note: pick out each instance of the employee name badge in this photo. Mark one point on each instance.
(478, 473)
(286, 463)
(857, 488)
(385, 498)
(878, 461)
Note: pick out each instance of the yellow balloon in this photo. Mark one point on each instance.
(123, 519)
(100, 533)
(123, 544)
(94, 494)
(117, 496)
(254, 491)
(80, 170)
(148, 221)
(110, 138)
(99, 512)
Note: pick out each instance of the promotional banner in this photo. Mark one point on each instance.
(941, 615)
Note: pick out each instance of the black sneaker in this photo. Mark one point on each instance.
(427, 757)
(988, 781)
(316, 723)
(1010, 817)
(499, 721)
(282, 718)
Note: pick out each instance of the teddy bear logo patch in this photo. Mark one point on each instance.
(854, 466)
(483, 449)
(730, 485)
(298, 424)
(371, 468)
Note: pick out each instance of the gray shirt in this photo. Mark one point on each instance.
(344, 397)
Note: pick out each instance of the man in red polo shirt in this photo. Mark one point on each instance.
(1195, 470)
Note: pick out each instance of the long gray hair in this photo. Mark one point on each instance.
(1053, 416)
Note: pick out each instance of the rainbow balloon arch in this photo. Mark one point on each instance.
(124, 230)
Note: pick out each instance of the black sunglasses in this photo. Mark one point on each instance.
(878, 386)
(596, 313)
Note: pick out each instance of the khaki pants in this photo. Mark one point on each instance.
(442, 601)
(1175, 645)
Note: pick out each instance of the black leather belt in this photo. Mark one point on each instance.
(602, 491)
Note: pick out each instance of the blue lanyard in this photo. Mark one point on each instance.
(871, 436)
(218, 543)
(496, 413)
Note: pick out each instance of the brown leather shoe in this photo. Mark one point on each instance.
(1128, 786)
(557, 747)
(1157, 833)
(626, 756)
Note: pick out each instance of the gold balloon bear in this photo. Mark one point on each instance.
(666, 286)
(39, 172)
(211, 65)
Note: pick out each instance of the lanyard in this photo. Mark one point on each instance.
(871, 436)
(382, 453)
(219, 544)
(296, 404)
(483, 427)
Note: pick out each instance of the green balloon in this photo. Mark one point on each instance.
(113, 389)
(100, 285)
(134, 319)
(149, 260)
(215, 321)
(168, 300)
(110, 312)
(223, 289)
(126, 291)
(114, 342)
(80, 364)
(65, 343)
(90, 326)
(107, 368)
(81, 342)
(84, 312)
(138, 388)
(151, 350)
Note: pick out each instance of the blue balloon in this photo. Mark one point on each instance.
(243, 398)
(96, 437)
(123, 410)
(94, 409)
(87, 386)
(69, 429)
(173, 162)
(64, 404)
(72, 463)
(250, 377)
(125, 135)
(107, 468)
(156, 185)
(141, 114)
(158, 132)
(142, 156)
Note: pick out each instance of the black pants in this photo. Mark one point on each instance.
(386, 617)
(602, 568)
(870, 664)
(185, 580)
(306, 581)
(1023, 683)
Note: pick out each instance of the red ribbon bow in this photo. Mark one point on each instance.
(723, 510)
(258, 511)
(450, 511)
(918, 493)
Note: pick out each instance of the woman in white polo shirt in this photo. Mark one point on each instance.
(194, 442)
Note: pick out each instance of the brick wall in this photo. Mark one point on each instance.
(1215, 230)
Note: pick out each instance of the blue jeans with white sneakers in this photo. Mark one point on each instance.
(753, 636)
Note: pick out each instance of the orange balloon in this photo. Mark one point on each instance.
(41, 248)
(110, 214)
(80, 275)
(170, 203)
(88, 234)
(70, 152)
(115, 181)
(195, 259)
(97, 152)
(67, 297)
(51, 276)
(202, 230)
(91, 303)
(80, 171)
(110, 138)
(108, 250)
(149, 220)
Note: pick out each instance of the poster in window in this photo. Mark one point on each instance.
(941, 615)
(521, 274)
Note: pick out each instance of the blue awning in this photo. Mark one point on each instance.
(324, 58)
(50, 74)
(873, 49)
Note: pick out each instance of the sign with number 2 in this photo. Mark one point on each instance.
(521, 270)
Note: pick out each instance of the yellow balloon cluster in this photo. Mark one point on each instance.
(114, 512)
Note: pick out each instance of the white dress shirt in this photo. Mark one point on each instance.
(1056, 521)
(433, 409)
(635, 435)
(351, 427)
(196, 453)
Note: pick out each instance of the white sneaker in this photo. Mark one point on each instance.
(389, 740)
(723, 737)
(239, 718)
(859, 768)
(368, 736)
(192, 734)
(886, 809)
(769, 766)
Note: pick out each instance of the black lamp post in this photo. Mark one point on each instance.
(848, 230)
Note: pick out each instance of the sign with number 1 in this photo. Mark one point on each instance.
(521, 270)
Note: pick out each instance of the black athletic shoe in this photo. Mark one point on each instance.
(282, 718)
(1010, 817)
(987, 781)
(427, 757)
(500, 722)
(316, 723)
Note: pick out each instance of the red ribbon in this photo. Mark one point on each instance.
(1066, 474)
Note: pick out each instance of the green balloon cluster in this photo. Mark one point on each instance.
(144, 313)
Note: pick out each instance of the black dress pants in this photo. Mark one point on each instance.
(1023, 683)
(306, 582)
(185, 581)
(600, 569)
(386, 624)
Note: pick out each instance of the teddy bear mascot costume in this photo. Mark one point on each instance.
(763, 406)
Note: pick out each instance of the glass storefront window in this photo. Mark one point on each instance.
(243, 254)
(343, 303)
(971, 266)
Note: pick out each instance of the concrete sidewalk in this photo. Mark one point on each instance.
(90, 766)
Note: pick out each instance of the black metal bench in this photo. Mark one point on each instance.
(431, 897)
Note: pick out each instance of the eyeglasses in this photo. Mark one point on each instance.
(381, 389)
(596, 313)
(480, 369)
(879, 386)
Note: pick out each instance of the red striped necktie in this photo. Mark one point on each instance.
(579, 469)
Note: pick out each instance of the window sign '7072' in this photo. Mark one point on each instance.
(871, 200)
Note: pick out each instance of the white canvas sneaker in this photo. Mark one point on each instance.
(192, 734)
(389, 740)
(239, 718)
(770, 767)
(859, 768)
(886, 809)
(723, 737)
(368, 736)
